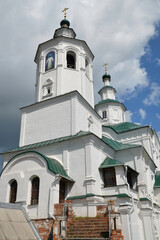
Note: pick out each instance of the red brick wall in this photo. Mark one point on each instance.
(45, 228)
(49, 229)
(117, 235)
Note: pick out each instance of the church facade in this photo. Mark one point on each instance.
(70, 149)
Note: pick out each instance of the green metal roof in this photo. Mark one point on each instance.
(52, 164)
(121, 195)
(118, 145)
(124, 127)
(108, 100)
(157, 180)
(109, 162)
(144, 199)
(44, 143)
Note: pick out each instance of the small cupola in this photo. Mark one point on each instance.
(107, 91)
(110, 109)
(65, 29)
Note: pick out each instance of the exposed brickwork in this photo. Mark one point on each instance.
(92, 227)
(117, 235)
(45, 228)
(101, 211)
(58, 209)
(87, 227)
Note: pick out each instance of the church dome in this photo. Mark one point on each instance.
(106, 76)
(64, 30)
(65, 23)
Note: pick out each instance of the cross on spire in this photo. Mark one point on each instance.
(105, 65)
(64, 10)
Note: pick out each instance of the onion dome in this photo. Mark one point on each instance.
(65, 23)
(64, 30)
(106, 76)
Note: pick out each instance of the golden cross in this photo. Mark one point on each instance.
(64, 10)
(105, 65)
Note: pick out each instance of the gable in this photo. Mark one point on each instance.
(32, 160)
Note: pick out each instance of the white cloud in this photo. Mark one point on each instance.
(158, 115)
(142, 113)
(158, 61)
(154, 97)
(118, 32)
(128, 116)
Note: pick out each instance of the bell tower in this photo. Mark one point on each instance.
(64, 64)
(110, 109)
(64, 90)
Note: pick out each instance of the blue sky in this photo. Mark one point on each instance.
(126, 34)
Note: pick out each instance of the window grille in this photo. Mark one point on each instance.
(104, 114)
(109, 177)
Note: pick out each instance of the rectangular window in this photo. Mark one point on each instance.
(104, 114)
(132, 178)
(109, 177)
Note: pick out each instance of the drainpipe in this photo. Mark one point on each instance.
(132, 208)
(49, 196)
(153, 212)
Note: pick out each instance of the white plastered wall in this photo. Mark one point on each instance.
(58, 117)
(65, 79)
(23, 168)
(115, 113)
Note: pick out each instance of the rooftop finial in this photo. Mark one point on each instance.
(105, 65)
(64, 10)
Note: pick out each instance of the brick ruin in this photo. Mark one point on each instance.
(65, 224)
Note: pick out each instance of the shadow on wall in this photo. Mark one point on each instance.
(1, 163)
(50, 237)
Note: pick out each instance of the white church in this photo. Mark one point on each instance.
(71, 149)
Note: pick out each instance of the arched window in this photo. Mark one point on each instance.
(13, 191)
(34, 191)
(71, 59)
(50, 61)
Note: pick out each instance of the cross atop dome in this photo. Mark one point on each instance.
(64, 10)
(65, 22)
(105, 65)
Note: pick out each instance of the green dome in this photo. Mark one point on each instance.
(106, 76)
(65, 23)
